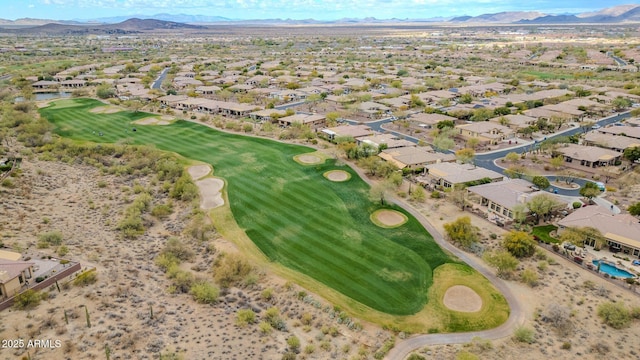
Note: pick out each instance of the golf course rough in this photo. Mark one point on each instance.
(290, 211)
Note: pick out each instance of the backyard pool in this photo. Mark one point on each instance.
(612, 270)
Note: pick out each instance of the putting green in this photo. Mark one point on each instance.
(290, 211)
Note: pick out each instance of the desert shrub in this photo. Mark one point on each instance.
(62, 250)
(294, 343)
(245, 317)
(204, 292)
(86, 278)
(272, 317)
(615, 315)
(8, 183)
(524, 335)
(576, 204)
(51, 238)
(161, 211)
(28, 299)
(178, 249)
(165, 261)
(529, 277)
(184, 189)
(182, 280)
(465, 355)
(267, 294)
(231, 269)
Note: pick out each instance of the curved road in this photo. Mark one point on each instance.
(516, 315)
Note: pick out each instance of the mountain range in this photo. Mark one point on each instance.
(618, 14)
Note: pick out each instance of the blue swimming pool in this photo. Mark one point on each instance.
(612, 270)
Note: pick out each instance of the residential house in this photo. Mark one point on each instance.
(515, 121)
(14, 275)
(346, 131)
(621, 231)
(389, 141)
(314, 121)
(171, 100)
(630, 131)
(374, 109)
(207, 90)
(429, 121)
(590, 156)
(499, 199)
(485, 131)
(266, 114)
(449, 174)
(414, 157)
(609, 141)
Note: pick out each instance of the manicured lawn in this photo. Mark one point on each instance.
(542, 232)
(290, 211)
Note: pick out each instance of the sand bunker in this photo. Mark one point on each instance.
(388, 218)
(462, 298)
(210, 194)
(198, 171)
(105, 110)
(337, 175)
(309, 159)
(151, 121)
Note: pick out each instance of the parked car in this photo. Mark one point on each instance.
(596, 126)
(569, 247)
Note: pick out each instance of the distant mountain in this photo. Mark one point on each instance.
(612, 11)
(130, 26)
(181, 18)
(617, 14)
(501, 17)
(35, 22)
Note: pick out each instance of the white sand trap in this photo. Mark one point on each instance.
(198, 171)
(105, 110)
(337, 175)
(210, 193)
(462, 298)
(167, 117)
(151, 121)
(309, 159)
(389, 218)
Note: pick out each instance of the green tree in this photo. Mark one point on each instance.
(634, 209)
(512, 157)
(541, 182)
(632, 154)
(445, 124)
(519, 244)
(556, 162)
(465, 155)
(542, 205)
(462, 232)
(502, 261)
(621, 103)
(465, 99)
(590, 190)
(105, 91)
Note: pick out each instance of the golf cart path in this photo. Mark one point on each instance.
(516, 314)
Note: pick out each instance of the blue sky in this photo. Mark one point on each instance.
(294, 9)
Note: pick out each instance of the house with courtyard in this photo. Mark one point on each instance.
(621, 231)
(630, 131)
(498, 199)
(429, 121)
(486, 131)
(450, 174)
(589, 156)
(314, 121)
(346, 131)
(266, 114)
(388, 141)
(14, 275)
(515, 121)
(414, 158)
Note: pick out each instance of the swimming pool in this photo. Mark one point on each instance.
(612, 270)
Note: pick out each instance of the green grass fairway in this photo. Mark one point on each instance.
(294, 215)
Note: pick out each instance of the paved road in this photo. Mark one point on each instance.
(516, 315)
(158, 83)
